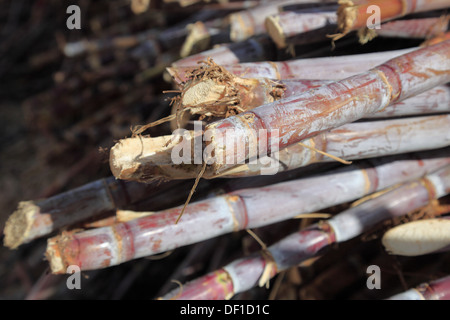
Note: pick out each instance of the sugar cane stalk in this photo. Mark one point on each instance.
(332, 105)
(247, 23)
(326, 68)
(361, 140)
(34, 219)
(354, 15)
(248, 208)
(434, 290)
(141, 158)
(435, 100)
(422, 28)
(288, 24)
(255, 49)
(243, 274)
(211, 90)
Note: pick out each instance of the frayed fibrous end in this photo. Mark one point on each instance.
(145, 159)
(212, 91)
(127, 155)
(54, 253)
(198, 39)
(365, 35)
(18, 228)
(346, 16)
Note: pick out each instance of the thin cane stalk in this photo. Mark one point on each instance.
(248, 208)
(34, 219)
(140, 159)
(257, 269)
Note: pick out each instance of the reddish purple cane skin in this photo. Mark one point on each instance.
(247, 208)
(436, 290)
(218, 284)
(337, 103)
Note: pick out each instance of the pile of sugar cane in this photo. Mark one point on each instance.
(362, 145)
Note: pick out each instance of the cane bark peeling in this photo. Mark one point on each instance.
(328, 68)
(369, 139)
(434, 290)
(33, 219)
(337, 103)
(248, 208)
(418, 237)
(435, 100)
(307, 243)
(363, 140)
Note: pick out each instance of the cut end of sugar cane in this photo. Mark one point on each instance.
(275, 31)
(212, 91)
(346, 17)
(198, 39)
(19, 224)
(126, 155)
(145, 159)
(418, 237)
(53, 255)
(240, 29)
(203, 93)
(365, 35)
(128, 215)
